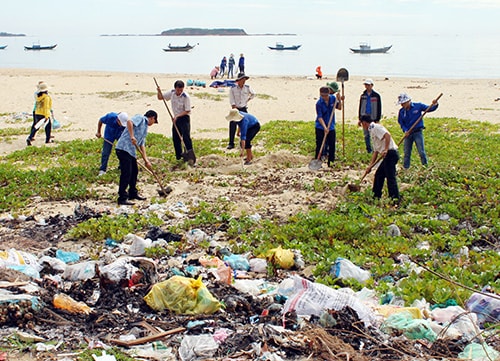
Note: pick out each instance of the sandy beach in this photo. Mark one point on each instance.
(81, 98)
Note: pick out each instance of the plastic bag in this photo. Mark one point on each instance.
(343, 268)
(80, 271)
(412, 328)
(478, 352)
(284, 258)
(182, 295)
(55, 124)
(487, 308)
(310, 298)
(237, 262)
(67, 257)
(197, 347)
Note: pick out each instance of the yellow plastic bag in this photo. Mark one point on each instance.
(284, 258)
(182, 295)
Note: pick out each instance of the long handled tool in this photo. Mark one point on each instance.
(343, 75)
(163, 191)
(357, 187)
(316, 163)
(188, 154)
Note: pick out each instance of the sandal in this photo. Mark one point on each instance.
(247, 162)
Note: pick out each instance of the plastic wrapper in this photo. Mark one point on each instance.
(412, 328)
(182, 295)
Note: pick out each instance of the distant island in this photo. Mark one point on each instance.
(199, 31)
(3, 34)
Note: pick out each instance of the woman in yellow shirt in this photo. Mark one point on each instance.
(43, 111)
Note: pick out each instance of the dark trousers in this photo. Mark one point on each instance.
(387, 170)
(184, 127)
(251, 133)
(128, 175)
(48, 128)
(329, 143)
(233, 126)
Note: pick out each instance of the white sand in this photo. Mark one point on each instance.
(79, 100)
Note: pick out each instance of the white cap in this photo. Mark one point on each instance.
(123, 117)
(368, 81)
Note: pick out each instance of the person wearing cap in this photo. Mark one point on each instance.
(230, 66)
(241, 64)
(132, 140)
(115, 124)
(325, 110)
(370, 106)
(42, 113)
(181, 121)
(408, 115)
(248, 126)
(383, 145)
(239, 96)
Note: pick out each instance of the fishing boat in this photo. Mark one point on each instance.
(2, 47)
(280, 46)
(365, 48)
(40, 47)
(186, 47)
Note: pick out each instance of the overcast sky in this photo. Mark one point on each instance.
(51, 18)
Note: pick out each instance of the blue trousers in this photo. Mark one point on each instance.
(416, 137)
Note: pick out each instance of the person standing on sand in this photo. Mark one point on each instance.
(223, 65)
(230, 66)
(115, 124)
(131, 140)
(239, 96)
(408, 114)
(319, 73)
(42, 113)
(383, 145)
(249, 127)
(181, 123)
(241, 64)
(370, 105)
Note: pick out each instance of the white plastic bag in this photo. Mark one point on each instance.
(343, 268)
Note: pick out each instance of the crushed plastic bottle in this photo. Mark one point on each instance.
(65, 302)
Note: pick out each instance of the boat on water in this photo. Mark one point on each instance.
(40, 47)
(2, 47)
(280, 46)
(186, 47)
(365, 48)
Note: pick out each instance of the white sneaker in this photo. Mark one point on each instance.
(101, 173)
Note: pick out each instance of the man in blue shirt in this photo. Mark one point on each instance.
(408, 115)
(325, 111)
(134, 137)
(115, 123)
(248, 128)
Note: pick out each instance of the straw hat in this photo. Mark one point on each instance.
(234, 115)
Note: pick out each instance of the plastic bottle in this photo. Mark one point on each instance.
(65, 302)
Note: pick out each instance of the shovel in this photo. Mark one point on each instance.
(316, 164)
(357, 187)
(188, 155)
(162, 192)
(343, 75)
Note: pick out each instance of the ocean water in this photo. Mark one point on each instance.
(454, 57)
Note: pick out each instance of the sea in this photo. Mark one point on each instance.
(413, 56)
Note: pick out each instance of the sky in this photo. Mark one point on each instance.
(52, 18)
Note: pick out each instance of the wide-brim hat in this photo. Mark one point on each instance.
(333, 86)
(234, 115)
(403, 98)
(42, 87)
(123, 118)
(242, 76)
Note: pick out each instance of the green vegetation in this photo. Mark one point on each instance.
(462, 182)
(208, 96)
(126, 94)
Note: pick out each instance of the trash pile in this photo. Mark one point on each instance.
(212, 304)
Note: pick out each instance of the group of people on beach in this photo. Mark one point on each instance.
(130, 132)
(378, 140)
(220, 70)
